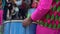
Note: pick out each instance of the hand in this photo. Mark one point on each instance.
(27, 22)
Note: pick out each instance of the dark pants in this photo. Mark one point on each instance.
(22, 12)
(5, 13)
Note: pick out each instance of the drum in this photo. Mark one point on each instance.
(16, 27)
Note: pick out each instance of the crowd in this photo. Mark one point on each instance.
(17, 9)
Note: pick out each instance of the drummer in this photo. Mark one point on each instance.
(43, 9)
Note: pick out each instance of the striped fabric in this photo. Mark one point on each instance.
(52, 18)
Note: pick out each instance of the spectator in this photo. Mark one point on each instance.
(3, 3)
(4, 9)
(1, 13)
(35, 4)
(31, 10)
(15, 13)
(23, 10)
(18, 2)
(8, 6)
(28, 2)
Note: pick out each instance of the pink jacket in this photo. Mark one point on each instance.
(42, 9)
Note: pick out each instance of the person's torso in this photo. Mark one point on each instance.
(52, 18)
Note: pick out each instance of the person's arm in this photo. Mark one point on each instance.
(42, 9)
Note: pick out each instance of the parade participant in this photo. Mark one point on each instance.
(47, 15)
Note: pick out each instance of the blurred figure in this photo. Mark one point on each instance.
(23, 10)
(8, 7)
(4, 9)
(28, 2)
(34, 4)
(31, 10)
(15, 12)
(1, 13)
(23, 5)
(18, 2)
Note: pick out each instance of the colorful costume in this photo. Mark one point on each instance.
(48, 12)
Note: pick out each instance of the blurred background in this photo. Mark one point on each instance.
(17, 9)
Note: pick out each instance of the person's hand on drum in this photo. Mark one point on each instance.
(27, 21)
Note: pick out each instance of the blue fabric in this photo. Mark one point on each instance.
(18, 3)
(3, 3)
(30, 11)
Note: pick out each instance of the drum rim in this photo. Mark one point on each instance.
(15, 21)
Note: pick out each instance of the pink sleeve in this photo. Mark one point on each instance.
(1, 17)
(42, 9)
